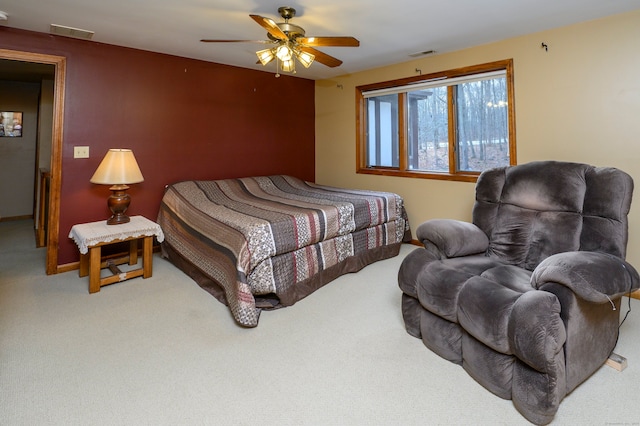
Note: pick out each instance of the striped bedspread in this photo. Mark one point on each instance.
(263, 235)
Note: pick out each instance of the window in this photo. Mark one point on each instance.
(447, 125)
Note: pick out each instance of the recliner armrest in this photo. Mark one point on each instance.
(594, 277)
(452, 238)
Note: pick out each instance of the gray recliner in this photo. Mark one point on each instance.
(526, 298)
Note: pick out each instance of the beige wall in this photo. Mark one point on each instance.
(578, 101)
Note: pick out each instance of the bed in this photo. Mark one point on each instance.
(266, 242)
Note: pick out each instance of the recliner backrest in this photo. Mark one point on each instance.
(534, 210)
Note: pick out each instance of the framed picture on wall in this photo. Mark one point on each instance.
(10, 124)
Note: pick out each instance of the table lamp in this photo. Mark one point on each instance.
(118, 168)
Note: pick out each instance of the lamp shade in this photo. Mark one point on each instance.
(283, 52)
(118, 167)
(305, 58)
(265, 56)
(288, 66)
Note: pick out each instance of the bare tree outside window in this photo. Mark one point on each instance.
(428, 114)
(483, 136)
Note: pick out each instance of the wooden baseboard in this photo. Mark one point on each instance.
(12, 218)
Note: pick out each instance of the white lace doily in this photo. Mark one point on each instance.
(86, 235)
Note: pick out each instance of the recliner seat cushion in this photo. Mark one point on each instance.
(510, 276)
(440, 281)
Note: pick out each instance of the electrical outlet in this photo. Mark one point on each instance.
(80, 152)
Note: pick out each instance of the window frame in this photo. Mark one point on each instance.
(403, 167)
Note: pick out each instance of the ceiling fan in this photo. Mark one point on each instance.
(291, 43)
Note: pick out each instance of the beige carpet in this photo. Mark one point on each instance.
(161, 351)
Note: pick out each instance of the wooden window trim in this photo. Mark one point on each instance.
(402, 170)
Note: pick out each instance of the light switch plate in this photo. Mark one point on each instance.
(80, 152)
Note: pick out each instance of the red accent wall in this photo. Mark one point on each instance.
(183, 119)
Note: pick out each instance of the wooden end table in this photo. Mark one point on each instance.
(91, 237)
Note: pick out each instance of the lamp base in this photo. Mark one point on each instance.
(118, 219)
(118, 203)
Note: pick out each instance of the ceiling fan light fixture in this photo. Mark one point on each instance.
(289, 43)
(265, 56)
(305, 58)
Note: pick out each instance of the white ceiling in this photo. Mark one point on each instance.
(388, 30)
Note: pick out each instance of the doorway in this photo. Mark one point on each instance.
(53, 202)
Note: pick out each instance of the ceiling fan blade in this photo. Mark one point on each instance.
(235, 41)
(329, 41)
(270, 26)
(321, 57)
